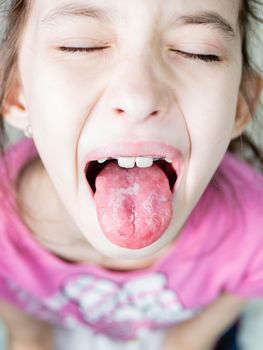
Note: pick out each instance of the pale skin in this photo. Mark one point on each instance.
(188, 96)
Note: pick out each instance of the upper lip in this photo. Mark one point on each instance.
(136, 149)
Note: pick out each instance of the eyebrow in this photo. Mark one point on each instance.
(210, 18)
(75, 10)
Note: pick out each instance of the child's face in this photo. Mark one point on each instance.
(141, 84)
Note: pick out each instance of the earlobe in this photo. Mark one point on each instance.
(243, 116)
(14, 109)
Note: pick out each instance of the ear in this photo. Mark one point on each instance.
(243, 116)
(248, 101)
(14, 109)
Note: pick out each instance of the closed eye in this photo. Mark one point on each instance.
(195, 56)
(189, 55)
(82, 49)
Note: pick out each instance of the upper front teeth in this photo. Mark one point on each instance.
(141, 162)
(129, 162)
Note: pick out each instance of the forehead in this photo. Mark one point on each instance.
(151, 11)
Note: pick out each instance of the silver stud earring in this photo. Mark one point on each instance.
(28, 132)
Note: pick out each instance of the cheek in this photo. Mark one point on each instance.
(59, 99)
(210, 109)
(56, 116)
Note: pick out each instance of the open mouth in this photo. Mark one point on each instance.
(93, 169)
(133, 187)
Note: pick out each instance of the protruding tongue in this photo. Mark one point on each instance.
(134, 206)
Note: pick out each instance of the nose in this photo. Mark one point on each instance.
(136, 93)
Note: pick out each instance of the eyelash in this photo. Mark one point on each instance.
(196, 56)
(189, 55)
(82, 49)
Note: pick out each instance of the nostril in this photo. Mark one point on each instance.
(154, 113)
(118, 111)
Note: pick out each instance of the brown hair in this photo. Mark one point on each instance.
(252, 83)
(16, 15)
(14, 18)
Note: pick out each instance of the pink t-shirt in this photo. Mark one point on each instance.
(219, 249)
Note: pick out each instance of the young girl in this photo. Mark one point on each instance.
(121, 212)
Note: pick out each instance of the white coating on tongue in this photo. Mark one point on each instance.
(134, 206)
